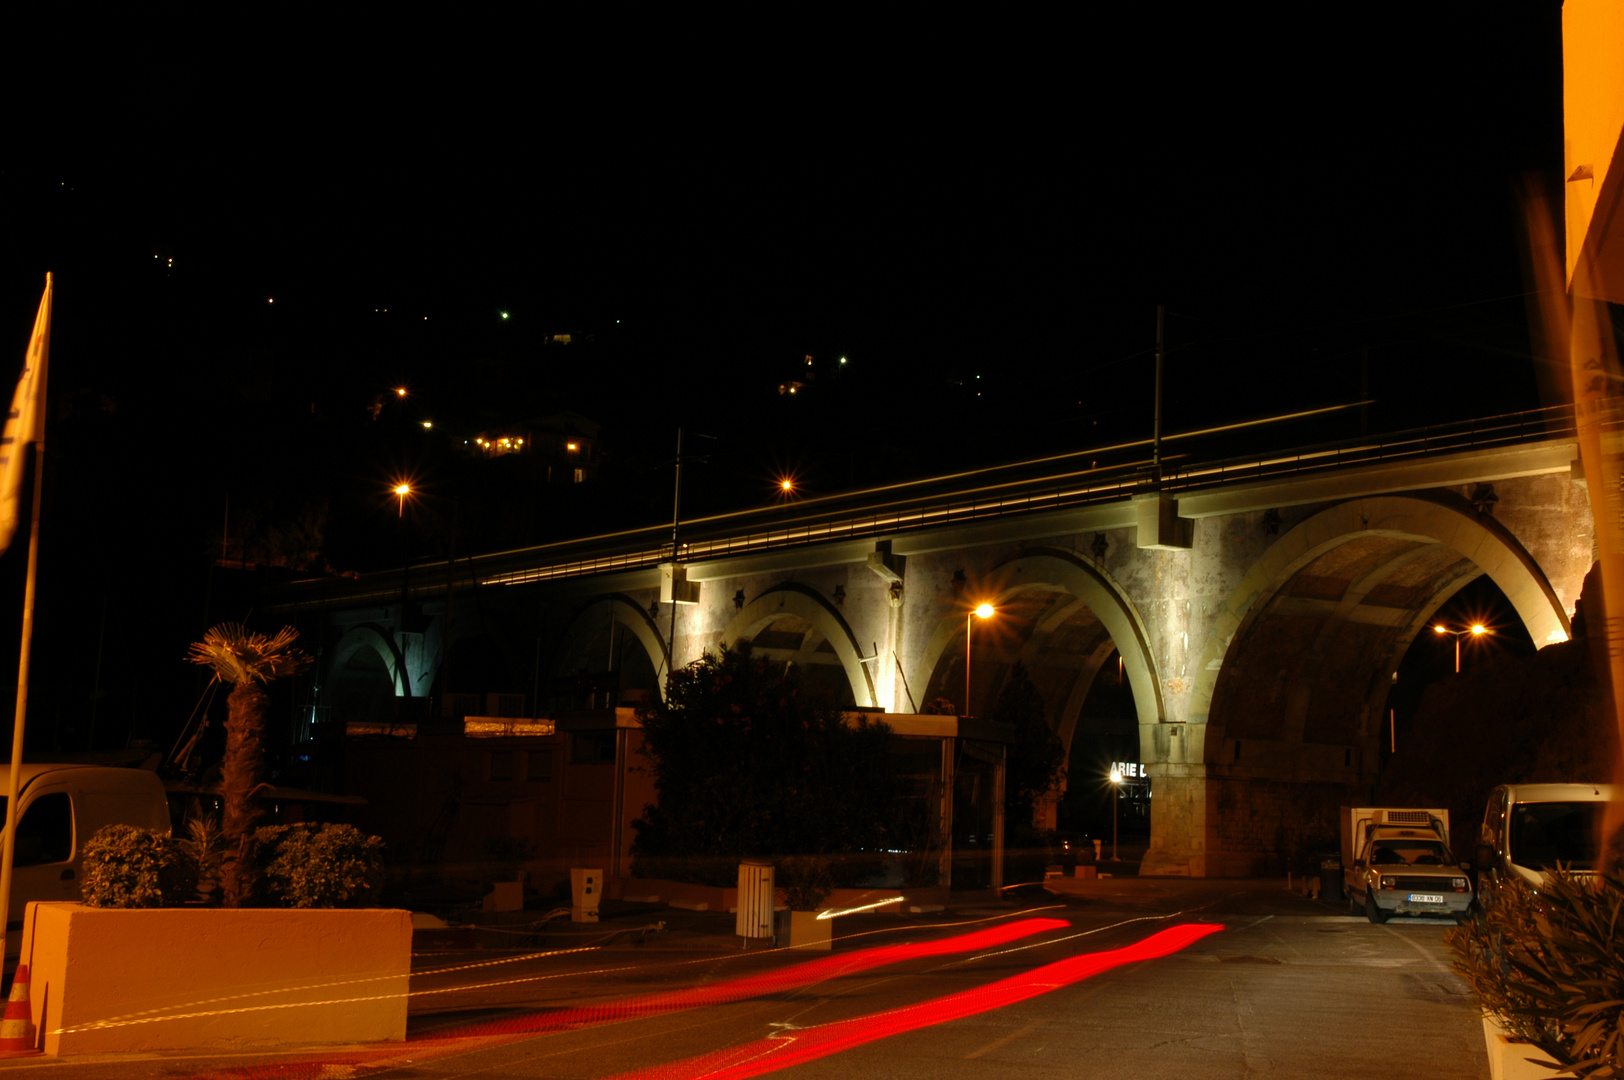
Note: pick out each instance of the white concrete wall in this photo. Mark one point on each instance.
(107, 980)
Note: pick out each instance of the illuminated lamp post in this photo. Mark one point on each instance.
(401, 491)
(981, 611)
(1116, 798)
(1476, 630)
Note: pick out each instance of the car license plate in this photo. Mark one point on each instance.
(1426, 898)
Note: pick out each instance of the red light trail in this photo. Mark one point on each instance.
(552, 1020)
(773, 982)
(809, 1044)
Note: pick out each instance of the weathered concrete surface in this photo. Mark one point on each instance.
(106, 980)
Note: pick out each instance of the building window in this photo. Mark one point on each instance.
(580, 475)
(592, 747)
(501, 765)
(539, 766)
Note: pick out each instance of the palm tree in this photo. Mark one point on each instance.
(248, 662)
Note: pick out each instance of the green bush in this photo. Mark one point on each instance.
(317, 866)
(807, 880)
(127, 867)
(1550, 964)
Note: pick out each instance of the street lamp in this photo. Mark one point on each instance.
(401, 491)
(1476, 630)
(1116, 799)
(981, 611)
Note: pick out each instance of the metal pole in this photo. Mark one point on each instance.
(967, 664)
(676, 501)
(1156, 450)
(8, 846)
(1457, 654)
(1116, 800)
(676, 518)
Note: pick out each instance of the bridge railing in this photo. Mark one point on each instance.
(1080, 487)
(992, 493)
(1511, 429)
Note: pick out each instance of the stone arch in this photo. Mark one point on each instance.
(1419, 520)
(1063, 573)
(791, 599)
(381, 641)
(622, 611)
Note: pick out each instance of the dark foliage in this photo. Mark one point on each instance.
(1550, 964)
(129, 867)
(1037, 757)
(749, 763)
(317, 866)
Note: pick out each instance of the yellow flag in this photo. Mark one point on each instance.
(26, 422)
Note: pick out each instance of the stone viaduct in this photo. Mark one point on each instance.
(1259, 609)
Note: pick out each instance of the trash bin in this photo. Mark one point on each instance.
(1331, 878)
(755, 913)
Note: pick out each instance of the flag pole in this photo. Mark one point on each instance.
(38, 353)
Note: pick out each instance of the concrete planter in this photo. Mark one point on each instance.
(807, 931)
(107, 980)
(1508, 1058)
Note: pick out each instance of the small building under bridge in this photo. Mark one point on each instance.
(483, 798)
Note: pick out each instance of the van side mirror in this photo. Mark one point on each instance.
(1485, 857)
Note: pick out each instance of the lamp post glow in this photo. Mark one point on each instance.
(982, 611)
(401, 491)
(1116, 798)
(1476, 630)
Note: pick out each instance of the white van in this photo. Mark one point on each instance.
(1531, 828)
(62, 807)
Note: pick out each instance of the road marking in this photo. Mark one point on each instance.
(1005, 1041)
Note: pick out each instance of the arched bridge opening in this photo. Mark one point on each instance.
(1292, 691)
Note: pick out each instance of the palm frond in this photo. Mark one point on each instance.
(239, 656)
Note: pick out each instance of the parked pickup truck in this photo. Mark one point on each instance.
(1396, 861)
(1529, 829)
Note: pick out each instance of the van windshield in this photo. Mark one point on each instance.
(1544, 834)
(1410, 853)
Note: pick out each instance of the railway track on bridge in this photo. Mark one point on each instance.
(1087, 477)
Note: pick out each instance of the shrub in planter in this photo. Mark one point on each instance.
(129, 867)
(806, 880)
(1550, 965)
(317, 866)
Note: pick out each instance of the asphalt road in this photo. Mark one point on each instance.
(1038, 985)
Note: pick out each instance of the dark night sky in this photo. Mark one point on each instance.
(1009, 202)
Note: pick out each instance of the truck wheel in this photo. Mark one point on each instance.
(1372, 912)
